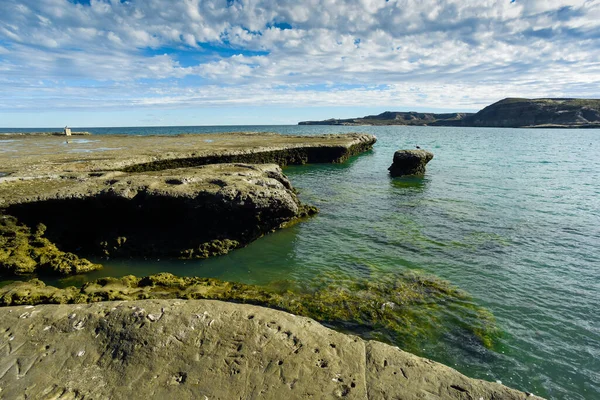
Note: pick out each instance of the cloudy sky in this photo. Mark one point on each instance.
(205, 62)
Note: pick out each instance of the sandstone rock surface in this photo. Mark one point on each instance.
(184, 213)
(199, 349)
(410, 162)
(186, 196)
(403, 308)
(28, 157)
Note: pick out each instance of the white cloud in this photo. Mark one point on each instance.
(162, 52)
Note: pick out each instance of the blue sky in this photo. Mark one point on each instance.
(227, 62)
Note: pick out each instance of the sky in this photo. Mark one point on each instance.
(234, 62)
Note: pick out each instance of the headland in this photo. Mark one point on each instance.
(507, 113)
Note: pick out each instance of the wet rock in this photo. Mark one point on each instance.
(410, 162)
(203, 349)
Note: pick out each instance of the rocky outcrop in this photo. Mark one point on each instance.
(410, 162)
(186, 196)
(38, 156)
(208, 350)
(184, 213)
(403, 308)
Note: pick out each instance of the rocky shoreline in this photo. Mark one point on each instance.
(401, 308)
(196, 196)
(45, 133)
(184, 213)
(186, 196)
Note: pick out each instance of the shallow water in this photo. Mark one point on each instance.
(511, 216)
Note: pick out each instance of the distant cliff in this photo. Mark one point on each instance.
(507, 113)
(517, 113)
(396, 118)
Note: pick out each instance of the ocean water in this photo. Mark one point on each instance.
(512, 216)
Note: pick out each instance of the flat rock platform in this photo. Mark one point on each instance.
(27, 156)
(202, 349)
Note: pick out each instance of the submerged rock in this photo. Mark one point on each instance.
(202, 349)
(410, 162)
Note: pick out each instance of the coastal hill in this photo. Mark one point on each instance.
(507, 113)
(517, 113)
(396, 118)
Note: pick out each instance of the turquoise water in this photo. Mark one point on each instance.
(510, 216)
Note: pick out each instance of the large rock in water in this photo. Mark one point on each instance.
(410, 162)
(200, 349)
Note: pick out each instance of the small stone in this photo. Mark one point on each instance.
(79, 325)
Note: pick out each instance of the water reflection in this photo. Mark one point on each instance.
(415, 183)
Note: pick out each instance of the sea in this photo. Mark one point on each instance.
(511, 216)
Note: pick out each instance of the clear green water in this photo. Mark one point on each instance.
(510, 216)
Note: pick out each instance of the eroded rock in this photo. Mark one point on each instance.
(25, 252)
(410, 162)
(183, 196)
(185, 213)
(38, 156)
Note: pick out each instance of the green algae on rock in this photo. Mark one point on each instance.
(400, 309)
(23, 252)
